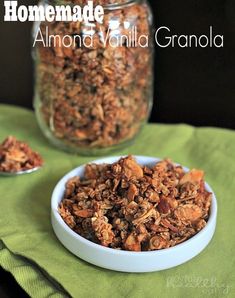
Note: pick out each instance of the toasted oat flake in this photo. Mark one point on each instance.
(126, 206)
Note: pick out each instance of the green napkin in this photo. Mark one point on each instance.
(44, 268)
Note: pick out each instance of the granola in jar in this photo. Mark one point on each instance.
(96, 93)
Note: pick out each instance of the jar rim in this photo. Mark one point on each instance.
(111, 6)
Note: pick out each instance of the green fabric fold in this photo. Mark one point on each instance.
(44, 268)
(29, 276)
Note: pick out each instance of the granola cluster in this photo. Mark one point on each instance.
(96, 96)
(129, 207)
(16, 156)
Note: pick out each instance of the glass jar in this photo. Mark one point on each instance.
(94, 82)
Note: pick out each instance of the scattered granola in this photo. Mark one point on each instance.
(129, 207)
(17, 156)
(100, 95)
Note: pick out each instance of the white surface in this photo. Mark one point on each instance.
(124, 260)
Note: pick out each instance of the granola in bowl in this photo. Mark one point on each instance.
(17, 156)
(128, 206)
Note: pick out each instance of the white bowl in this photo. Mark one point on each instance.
(127, 261)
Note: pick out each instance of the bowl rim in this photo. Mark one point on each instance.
(61, 184)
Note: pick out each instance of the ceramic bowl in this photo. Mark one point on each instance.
(127, 261)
